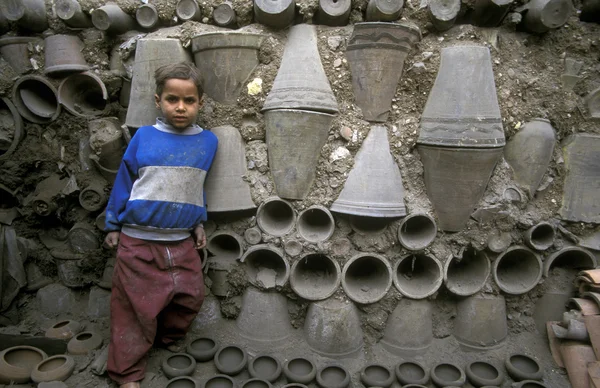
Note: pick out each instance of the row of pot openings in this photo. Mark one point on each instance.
(265, 369)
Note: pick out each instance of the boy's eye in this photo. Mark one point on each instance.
(172, 99)
(190, 100)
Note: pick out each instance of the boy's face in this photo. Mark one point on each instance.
(179, 102)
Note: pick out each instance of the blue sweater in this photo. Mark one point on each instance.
(159, 190)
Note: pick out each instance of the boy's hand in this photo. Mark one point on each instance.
(200, 237)
(112, 239)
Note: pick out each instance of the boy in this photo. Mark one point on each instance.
(154, 215)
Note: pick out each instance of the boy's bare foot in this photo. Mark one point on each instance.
(134, 384)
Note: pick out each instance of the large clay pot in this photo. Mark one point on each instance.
(29, 14)
(376, 53)
(83, 95)
(15, 51)
(480, 322)
(409, 329)
(366, 278)
(226, 59)
(63, 54)
(316, 224)
(315, 276)
(543, 15)
(570, 257)
(16, 363)
(36, 99)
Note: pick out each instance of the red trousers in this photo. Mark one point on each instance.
(157, 292)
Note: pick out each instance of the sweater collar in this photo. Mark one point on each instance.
(163, 126)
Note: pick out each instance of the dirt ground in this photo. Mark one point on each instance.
(527, 70)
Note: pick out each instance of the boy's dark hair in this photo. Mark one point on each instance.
(182, 70)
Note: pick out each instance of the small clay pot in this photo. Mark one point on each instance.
(412, 372)
(182, 382)
(446, 374)
(256, 383)
(231, 360)
(178, 364)
(55, 368)
(530, 384)
(333, 376)
(376, 375)
(84, 343)
(16, 363)
(482, 373)
(416, 386)
(220, 381)
(202, 349)
(522, 367)
(294, 385)
(64, 330)
(265, 367)
(299, 370)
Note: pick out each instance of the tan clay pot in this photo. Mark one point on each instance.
(55, 368)
(16, 363)
(64, 330)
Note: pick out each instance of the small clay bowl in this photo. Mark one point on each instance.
(256, 383)
(265, 367)
(333, 376)
(294, 385)
(231, 360)
(530, 384)
(182, 382)
(446, 374)
(376, 375)
(64, 330)
(85, 342)
(482, 373)
(202, 349)
(178, 364)
(55, 368)
(416, 386)
(220, 381)
(16, 363)
(412, 372)
(300, 370)
(522, 367)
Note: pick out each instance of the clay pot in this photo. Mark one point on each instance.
(543, 15)
(518, 270)
(36, 99)
(106, 140)
(334, 12)
(482, 373)
(231, 359)
(571, 257)
(69, 268)
(540, 236)
(256, 383)
(203, 349)
(16, 363)
(64, 330)
(376, 375)
(188, 10)
(29, 14)
(55, 368)
(409, 329)
(530, 384)
(93, 197)
(523, 367)
(467, 275)
(277, 14)
(411, 372)
(226, 59)
(112, 19)
(529, 153)
(83, 238)
(315, 276)
(275, 216)
(253, 235)
(480, 322)
(384, 10)
(374, 166)
(343, 338)
(294, 385)
(376, 53)
(13, 121)
(366, 278)
(266, 266)
(225, 188)
(292, 247)
(63, 55)
(182, 382)
(178, 364)
(446, 374)
(83, 95)
(220, 381)
(226, 245)
(333, 376)
(443, 13)
(15, 51)
(265, 367)
(147, 16)
(224, 14)
(368, 226)
(316, 224)
(85, 342)
(69, 11)
(417, 276)
(417, 231)
(300, 370)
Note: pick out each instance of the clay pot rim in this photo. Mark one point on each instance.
(171, 371)
(203, 355)
(239, 239)
(407, 218)
(529, 236)
(22, 347)
(439, 382)
(182, 378)
(30, 116)
(231, 371)
(274, 376)
(343, 384)
(550, 260)
(375, 298)
(326, 212)
(100, 84)
(484, 381)
(6, 40)
(286, 274)
(219, 376)
(436, 285)
(479, 286)
(254, 42)
(319, 296)
(410, 381)
(372, 382)
(261, 208)
(297, 378)
(406, 26)
(520, 375)
(501, 256)
(254, 379)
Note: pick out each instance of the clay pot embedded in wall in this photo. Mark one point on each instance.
(231, 360)
(225, 188)
(253, 235)
(147, 16)
(482, 373)
(178, 364)
(294, 385)
(529, 152)
(409, 329)
(16, 363)
(315, 276)
(225, 245)
(220, 381)
(376, 375)
(411, 373)
(523, 367)
(226, 59)
(374, 167)
(265, 367)
(368, 226)
(93, 197)
(480, 322)
(112, 19)
(69, 11)
(466, 275)
(83, 237)
(570, 257)
(256, 383)
(182, 382)
(15, 51)
(417, 231)
(334, 12)
(55, 368)
(64, 330)
(274, 13)
(275, 216)
(84, 343)
(540, 236)
(384, 10)
(376, 53)
(316, 224)
(45, 194)
(366, 278)
(266, 267)
(344, 337)
(224, 14)
(447, 374)
(300, 370)
(333, 376)
(63, 55)
(418, 276)
(83, 95)
(202, 349)
(29, 14)
(443, 13)
(518, 270)
(14, 124)
(36, 99)
(188, 10)
(543, 15)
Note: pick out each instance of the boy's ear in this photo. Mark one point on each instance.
(157, 101)
(201, 101)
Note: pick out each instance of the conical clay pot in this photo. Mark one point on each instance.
(543, 15)
(301, 82)
(409, 329)
(384, 10)
(294, 142)
(376, 53)
(29, 14)
(225, 188)
(63, 54)
(226, 60)
(15, 51)
(69, 11)
(334, 12)
(480, 322)
(374, 186)
(274, 13)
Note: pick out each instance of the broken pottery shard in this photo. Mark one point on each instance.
(544, 15)
(490, 13)
(374, 186)
(592, 102)
(571, 75)
(274, 13)
(376, 53)
(226, 60)
(576, 356)
(225, 187)
(301, 82)
(462, 109)
(443, 13)
(529, 153)
(581, 195)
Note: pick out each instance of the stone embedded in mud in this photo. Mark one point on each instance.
(55, 299)
(98, 303)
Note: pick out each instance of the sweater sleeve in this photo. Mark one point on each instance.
(211, 158)
(121, 191)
